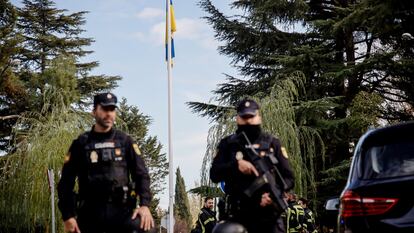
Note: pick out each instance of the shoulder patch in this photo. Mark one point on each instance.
(284, 152)
(67, 158)
(136, 149)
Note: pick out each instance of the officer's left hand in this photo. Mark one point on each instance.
(266, 200)
(147, 222)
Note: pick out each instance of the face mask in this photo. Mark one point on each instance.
(252, 131)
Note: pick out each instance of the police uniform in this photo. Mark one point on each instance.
(310, 221)
(241, 208)
(295, 218)
(110, 172)
(206, 220)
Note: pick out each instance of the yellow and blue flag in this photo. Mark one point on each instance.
(173, 29)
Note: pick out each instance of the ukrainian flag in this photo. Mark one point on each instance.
(173, 29)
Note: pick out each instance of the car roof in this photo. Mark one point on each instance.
(380, 136)
(388, 134)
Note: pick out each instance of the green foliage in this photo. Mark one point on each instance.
(181, 203)
(25, 204)
(41, 46)
(49, 32)
(11, 88)
(61, 75)
(207, 191)
(364, 111)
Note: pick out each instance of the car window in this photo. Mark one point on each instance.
(389, 160)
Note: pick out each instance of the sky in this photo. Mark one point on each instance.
(129, 42)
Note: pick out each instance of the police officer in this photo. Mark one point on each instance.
(295, 215)
(235, 168)
(207, 217)
(111, 174)
(310, 225)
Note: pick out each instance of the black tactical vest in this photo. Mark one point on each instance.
(106, 168)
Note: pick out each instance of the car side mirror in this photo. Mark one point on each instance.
(332, 204)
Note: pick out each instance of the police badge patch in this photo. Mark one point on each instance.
(118, 151)
(239, 155)
(94, 157)
(284, 152)
(67, 158)
(136, 149)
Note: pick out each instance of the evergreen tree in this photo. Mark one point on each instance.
(181, 203)
(12, 93)
(33, 37)
(49, 32)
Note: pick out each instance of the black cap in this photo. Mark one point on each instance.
(105, 99)
(247, 107)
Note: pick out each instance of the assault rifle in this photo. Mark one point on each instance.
(266, 166)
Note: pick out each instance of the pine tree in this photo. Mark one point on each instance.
(49, 32)
(12, 90)
(181, 203)
(34, 37)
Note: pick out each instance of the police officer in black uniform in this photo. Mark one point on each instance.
(232, 166)
(111, 175)
(207, 217)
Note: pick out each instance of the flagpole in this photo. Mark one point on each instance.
(170, 148)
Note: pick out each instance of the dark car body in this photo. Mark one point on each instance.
(379, 194)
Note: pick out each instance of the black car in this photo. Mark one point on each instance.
(379, 194)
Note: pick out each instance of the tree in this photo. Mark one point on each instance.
(34, 37)
(11, 89)
(181, 203)
(25, 205)
(48, 33)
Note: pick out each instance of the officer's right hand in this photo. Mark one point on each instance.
(71, 226)
(247, 168)
(147, 222)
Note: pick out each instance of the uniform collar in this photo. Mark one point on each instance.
(101, 135)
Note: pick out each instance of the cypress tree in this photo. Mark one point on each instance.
(181, 203)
